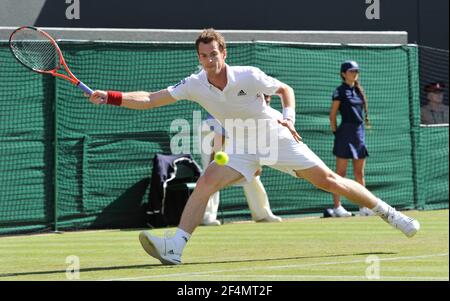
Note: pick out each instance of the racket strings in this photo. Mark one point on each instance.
(34, 50)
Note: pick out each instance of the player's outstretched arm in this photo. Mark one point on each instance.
(138, 100)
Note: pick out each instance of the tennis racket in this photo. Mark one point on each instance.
(38, 51)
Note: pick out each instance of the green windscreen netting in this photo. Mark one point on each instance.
(89, 166)
(433, 168)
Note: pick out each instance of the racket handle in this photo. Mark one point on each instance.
(85, 88)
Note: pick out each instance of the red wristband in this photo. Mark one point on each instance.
(114, 98)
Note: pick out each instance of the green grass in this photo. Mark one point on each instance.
(297, 249)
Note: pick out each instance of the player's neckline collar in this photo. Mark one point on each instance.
(230, 78)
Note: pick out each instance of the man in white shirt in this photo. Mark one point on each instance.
(234, 94)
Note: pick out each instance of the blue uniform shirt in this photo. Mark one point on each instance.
(352, 104)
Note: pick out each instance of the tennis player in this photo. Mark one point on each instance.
(230, 93)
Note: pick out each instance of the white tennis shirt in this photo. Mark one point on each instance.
(242, 98)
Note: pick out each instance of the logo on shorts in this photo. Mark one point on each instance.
(242, 93)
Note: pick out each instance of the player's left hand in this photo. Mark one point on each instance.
(290, 125)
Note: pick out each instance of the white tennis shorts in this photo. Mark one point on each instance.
(291, 155)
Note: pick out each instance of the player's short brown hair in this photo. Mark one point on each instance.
(208, 35)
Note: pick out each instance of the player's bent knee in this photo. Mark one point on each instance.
(208, 183)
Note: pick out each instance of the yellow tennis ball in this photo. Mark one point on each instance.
(221, 158)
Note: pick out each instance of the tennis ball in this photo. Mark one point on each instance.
(221, 158)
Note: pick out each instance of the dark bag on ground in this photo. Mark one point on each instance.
(173, 180)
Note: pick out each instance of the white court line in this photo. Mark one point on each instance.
(330, 277)
(277, 267)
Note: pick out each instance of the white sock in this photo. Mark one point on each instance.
(181, 238)
(381, 208)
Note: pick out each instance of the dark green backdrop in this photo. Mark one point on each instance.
(89, 166)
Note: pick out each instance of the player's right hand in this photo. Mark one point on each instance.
(98, 97)
(290, 125)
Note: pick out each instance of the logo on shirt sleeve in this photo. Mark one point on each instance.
(180, 83)
(336, 94)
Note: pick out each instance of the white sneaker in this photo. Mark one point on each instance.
(341, 212)
(398, 220)
(162, 249)
(212, 223)
(270, 219)
(364, 211)
(329, 212)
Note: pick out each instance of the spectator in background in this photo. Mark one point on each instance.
(435, 111)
